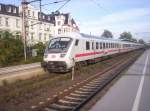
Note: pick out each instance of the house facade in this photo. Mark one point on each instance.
(39, 28)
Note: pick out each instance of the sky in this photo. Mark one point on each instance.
(94, 16)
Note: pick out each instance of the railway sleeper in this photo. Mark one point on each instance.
(98, 79)
(91, 87)
(64, 101)
(79, 95)
(59, 107)
(47, 109)
(86, 89)
(74, 98)
(82, 92)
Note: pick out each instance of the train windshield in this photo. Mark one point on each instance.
(59, 45)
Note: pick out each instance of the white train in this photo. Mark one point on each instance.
(65, 51)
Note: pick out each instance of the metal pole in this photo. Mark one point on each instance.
(72, 73)
(24, 27)
(73, 70)
(40, 18)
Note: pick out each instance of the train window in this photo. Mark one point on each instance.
(101, 45)
(59, 44)
(76, 43)
(87, 45)
(104, 45)
(96, 45)
(92, 45)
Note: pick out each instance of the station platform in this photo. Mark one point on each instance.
(132, 91)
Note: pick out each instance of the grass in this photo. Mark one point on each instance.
(22, 61)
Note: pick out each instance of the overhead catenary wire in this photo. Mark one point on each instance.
(63, 5)
(54, 2)
(100, 6)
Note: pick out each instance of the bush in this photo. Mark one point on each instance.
(11, 49)
(40, 48)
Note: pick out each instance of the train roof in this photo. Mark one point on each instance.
(86, 36)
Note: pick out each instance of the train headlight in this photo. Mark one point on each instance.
(62, 55)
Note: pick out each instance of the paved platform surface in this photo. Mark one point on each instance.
(132, 91)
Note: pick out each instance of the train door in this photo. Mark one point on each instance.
(93, 50)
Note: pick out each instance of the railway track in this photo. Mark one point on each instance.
(76, 96)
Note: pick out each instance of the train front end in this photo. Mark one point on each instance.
(56, 56)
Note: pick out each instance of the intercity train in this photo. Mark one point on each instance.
(66, 51)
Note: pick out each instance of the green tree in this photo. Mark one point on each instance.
(133, 40)
(126, 36)
(141, 41)
(107, 34)
(40, 48)
(11, 49)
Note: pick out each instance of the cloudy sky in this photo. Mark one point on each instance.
(96, 15)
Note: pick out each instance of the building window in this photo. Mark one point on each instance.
(49, 18)
(43, 17)
(14, 10)
(8, 9)
(45, 27)
(59, 31)
(87, 45)
(33, 13)
(29, 13)
(6, 22)
(58, 17)
(32, 24)
(40, 36)
(59, 23)
(17, 23)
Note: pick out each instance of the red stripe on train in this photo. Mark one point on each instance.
(93, 53)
